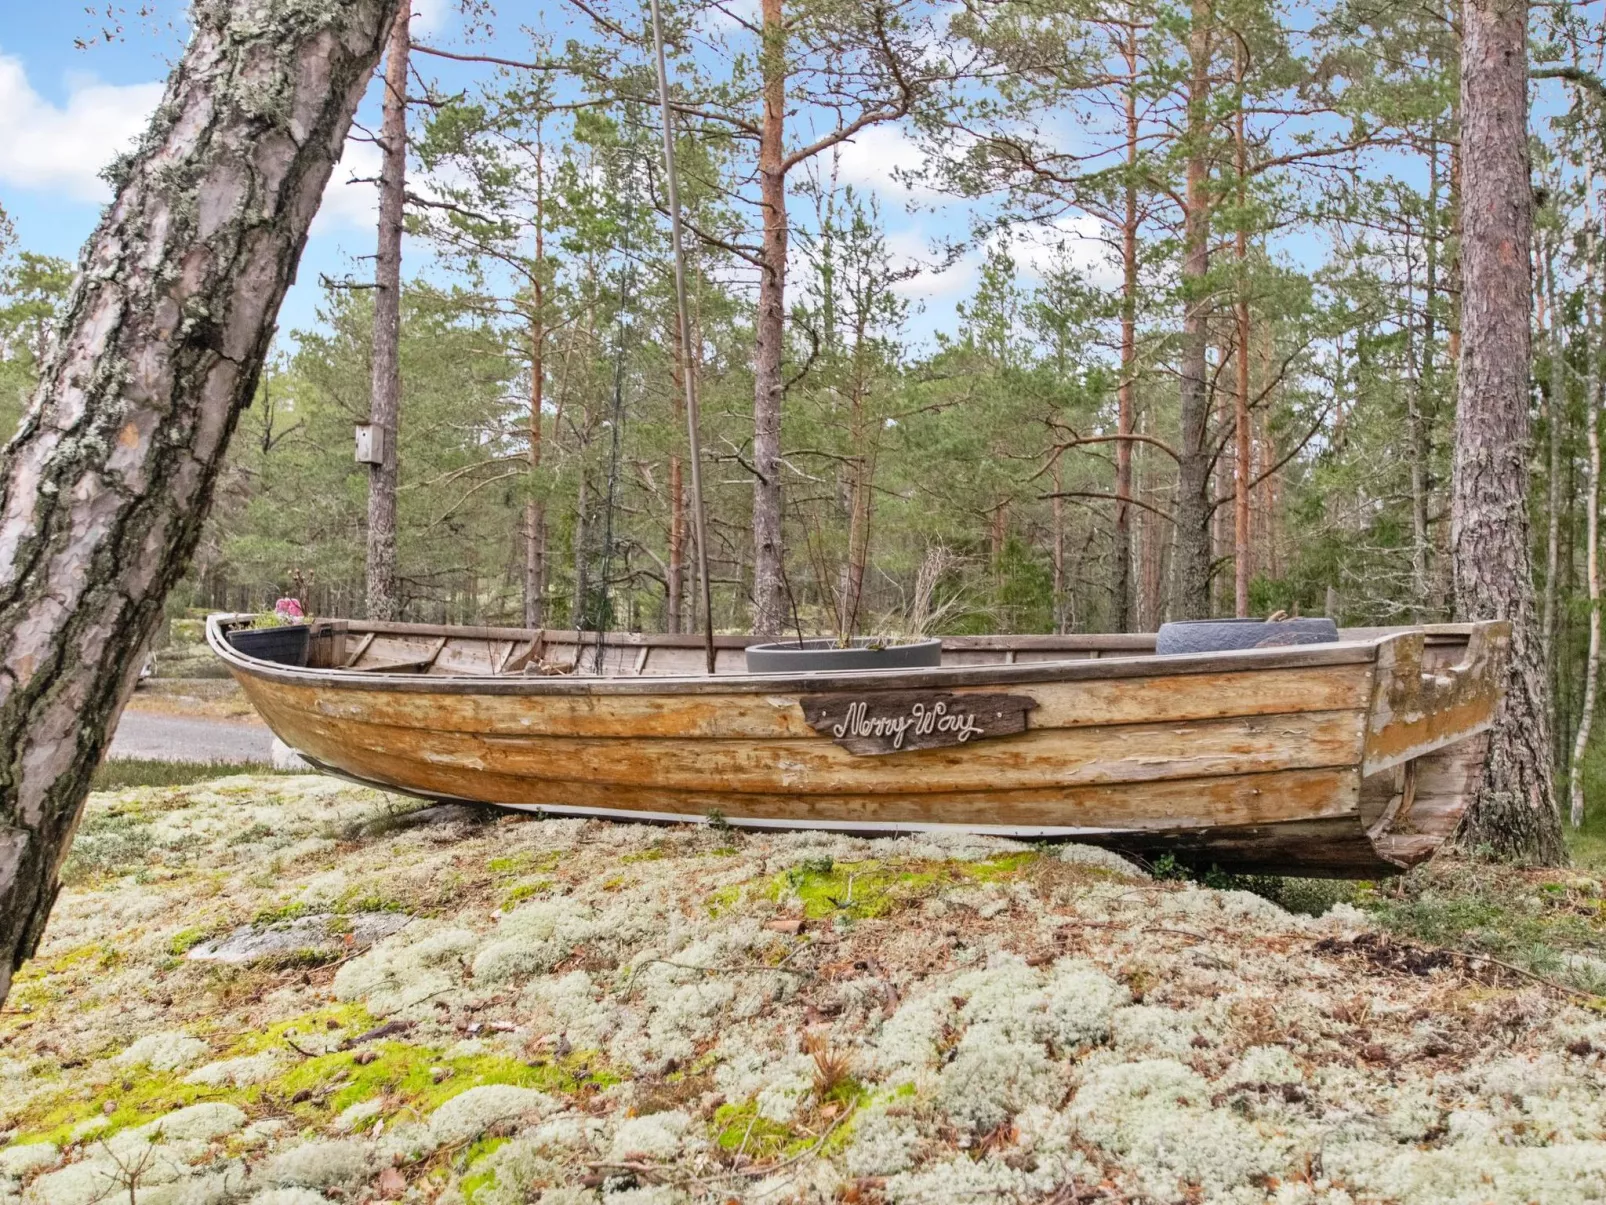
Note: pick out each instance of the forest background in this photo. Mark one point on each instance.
(1062, 316)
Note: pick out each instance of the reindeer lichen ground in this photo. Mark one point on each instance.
(626, 1015)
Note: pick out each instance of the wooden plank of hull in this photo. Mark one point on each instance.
(1235, 823)
(1415, 711)
(814, 765)
(1227, 800)
(1071, 704)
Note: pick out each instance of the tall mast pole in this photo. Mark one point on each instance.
(692, 425)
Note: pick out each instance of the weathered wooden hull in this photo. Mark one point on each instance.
(1350, 759)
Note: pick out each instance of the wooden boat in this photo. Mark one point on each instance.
(1351, 759)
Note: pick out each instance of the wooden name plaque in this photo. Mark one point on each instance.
(896, 720)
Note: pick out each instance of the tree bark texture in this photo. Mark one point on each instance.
(1194, 510)
(385, 403)
(1514, 812)
(104, 489)
(769, 614)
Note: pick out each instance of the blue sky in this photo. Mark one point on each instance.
(71, 107)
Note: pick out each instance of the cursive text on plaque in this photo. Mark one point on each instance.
(895, 721)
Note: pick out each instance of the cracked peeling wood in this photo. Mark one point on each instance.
(1416, 710)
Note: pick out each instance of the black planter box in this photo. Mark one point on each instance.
(283, 646)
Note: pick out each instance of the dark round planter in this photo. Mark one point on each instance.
(813, 656)
(284, 646)
(1223, 635)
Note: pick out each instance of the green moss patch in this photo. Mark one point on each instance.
(740, 1129)
(419, 1079)
(525, 863)
(860, 890)
(131, 1099)
(524, 891)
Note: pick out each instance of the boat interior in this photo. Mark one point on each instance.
(436, 650)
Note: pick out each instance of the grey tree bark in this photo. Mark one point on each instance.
(104, 488)
(1514, 812)
(385, 403)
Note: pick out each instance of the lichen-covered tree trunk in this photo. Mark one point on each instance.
(104, 488)
(769, 613)
(384, 411)
(1514, 812)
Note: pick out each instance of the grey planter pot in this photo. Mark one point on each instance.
(823, 653)
(1224, 635)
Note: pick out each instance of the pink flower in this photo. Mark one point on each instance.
(288, 608)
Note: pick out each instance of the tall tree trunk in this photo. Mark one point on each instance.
(1194, 510)
(1557, 406)
(385, 406)
(1421, 398)
(1057, 550)
(581, 537)
(674, 590)
(1122, 601)
(535, 508)
(861, 470)
(1514, 811)
(1586, 714)
(105, 486)
(769, 613)
(1240, 460)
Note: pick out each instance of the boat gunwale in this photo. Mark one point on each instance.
(1142, 665)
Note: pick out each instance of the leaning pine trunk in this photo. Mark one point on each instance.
(104, 489)
(1514, 812)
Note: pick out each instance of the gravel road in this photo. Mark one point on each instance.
(181, 738)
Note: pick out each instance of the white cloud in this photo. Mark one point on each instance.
(62, 149)
(433, 17)
(869, 159)
(1081, 239)
(350, 199)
